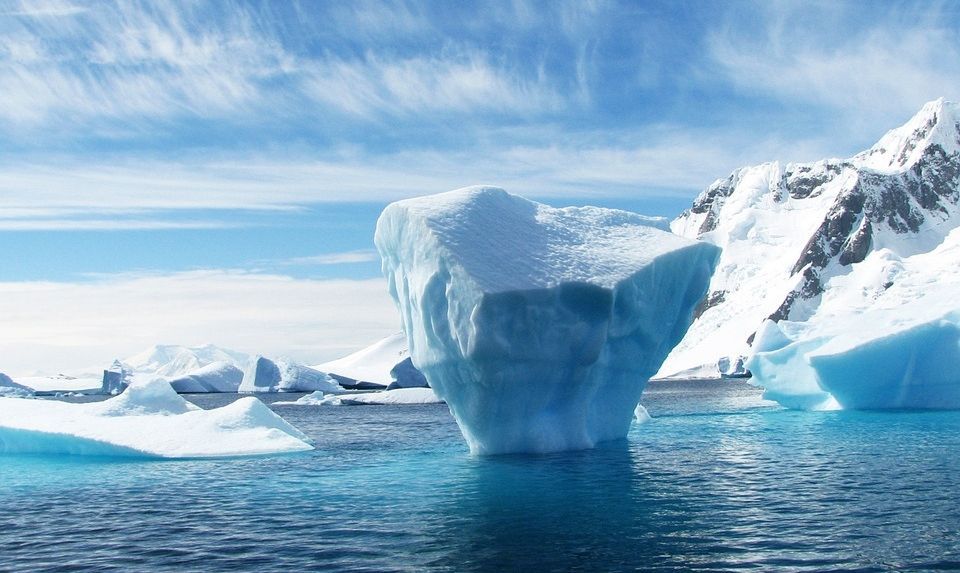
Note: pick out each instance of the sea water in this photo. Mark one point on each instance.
(717, 480)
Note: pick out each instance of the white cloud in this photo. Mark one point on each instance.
(54, 326)
(127, 67)
(14, 224)
(880, 71)
(358, 256)
(656, 161)
(457, 82)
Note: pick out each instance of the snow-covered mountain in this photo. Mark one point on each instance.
(790, 233)
(170, 360)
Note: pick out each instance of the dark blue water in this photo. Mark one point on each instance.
(718, 480)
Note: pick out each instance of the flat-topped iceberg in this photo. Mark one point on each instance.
(148, 419)
(538, 326)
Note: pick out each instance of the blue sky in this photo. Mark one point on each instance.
(147, 142)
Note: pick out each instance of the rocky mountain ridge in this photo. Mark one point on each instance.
(788, 231)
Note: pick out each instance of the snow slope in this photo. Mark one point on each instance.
(148, 419)
(787, 231)
(538, 326)
(383, 363)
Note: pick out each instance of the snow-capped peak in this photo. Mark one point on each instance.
(937, 123)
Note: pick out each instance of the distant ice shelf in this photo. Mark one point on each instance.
(148, 419)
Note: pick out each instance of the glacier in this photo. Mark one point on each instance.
(787, 231)
(265, 375)
(148, 419)
(886, 335)
(538, 326)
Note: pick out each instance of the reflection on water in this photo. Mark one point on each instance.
(718, 480)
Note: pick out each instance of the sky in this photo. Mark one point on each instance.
(211, 172)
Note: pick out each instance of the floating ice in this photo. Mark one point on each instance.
(148, 419)
(873, 343)
(641, 415)
(312, 399)
(393, 397)
(10, 388)
(538, 326)
(115, 379)
(214, 377)
(265, 375)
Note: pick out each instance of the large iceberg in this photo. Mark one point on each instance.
(886, 336)
(148, 419)
(538, 326)
(265, 375)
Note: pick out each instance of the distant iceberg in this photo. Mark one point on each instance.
(148, 419)
(10, 388)
(538, 326)
(386, 363)
(265, 375)
(214, 377)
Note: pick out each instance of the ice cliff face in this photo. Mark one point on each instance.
(788, 232)
(538, 326)
(265, 375)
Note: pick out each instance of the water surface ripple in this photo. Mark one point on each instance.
(718, 480)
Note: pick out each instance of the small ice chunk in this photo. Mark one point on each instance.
(392, 397)
(312, 399)
(640, 414)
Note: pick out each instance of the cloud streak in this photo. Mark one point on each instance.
(881, 71)
(346, 257)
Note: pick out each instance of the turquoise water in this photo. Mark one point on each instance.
(718, 480)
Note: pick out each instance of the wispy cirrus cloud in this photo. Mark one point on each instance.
(346, 257)
(879, 71)
(122, 68)
(84, 224)
(656, 162)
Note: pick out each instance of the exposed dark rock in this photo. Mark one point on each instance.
(709, 301)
